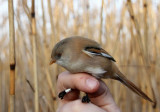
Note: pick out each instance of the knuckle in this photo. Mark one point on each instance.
(60, 77)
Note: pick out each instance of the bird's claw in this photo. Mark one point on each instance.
(85, 99)
(61, 94)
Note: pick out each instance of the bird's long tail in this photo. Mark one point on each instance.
(120, 77)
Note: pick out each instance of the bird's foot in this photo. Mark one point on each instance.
(63, 93)
(85, 99)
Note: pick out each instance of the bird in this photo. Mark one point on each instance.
(80, 54)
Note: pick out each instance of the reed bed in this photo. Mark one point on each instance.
(128, 30)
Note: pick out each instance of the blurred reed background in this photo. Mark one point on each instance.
(129, 30)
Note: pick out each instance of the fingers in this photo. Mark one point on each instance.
(80, 81)
(98, 91)
(78, 106)
(103, 98)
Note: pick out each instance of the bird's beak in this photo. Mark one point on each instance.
(52, 61)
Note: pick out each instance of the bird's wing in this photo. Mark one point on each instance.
(96, 51)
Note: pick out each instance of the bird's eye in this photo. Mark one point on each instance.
(58, 55)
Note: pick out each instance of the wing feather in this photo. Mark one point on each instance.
(96, 51)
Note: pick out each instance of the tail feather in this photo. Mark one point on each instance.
(131, 86)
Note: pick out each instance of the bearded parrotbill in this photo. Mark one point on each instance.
(78, 54)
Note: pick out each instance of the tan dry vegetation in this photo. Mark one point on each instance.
(129, 32)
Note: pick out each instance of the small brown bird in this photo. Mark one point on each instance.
(79, 54)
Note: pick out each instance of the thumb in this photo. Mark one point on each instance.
(103, 98)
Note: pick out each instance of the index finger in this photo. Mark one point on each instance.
(80, 81)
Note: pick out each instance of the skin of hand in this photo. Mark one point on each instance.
(100, 96)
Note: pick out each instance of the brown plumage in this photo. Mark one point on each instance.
(78, 54)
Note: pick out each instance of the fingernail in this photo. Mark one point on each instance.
(91, 83)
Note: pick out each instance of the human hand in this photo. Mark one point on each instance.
(99, 94)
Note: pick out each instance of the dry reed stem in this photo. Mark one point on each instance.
(137, 27)
(53, 39)
(33, 21)
(101, 21)
(53, 26)
(1, 86)
(26, 9)
(145, 5)
(12, 57)
(46, 52)
(143, 53)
